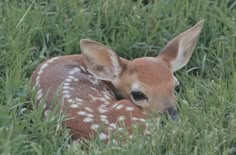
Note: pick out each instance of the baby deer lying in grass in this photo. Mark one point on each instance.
(88, 85)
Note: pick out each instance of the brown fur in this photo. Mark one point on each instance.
(88, 85)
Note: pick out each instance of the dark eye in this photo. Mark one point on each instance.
(138, 96)
(178, 87)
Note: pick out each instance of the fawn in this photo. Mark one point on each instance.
(90, 84)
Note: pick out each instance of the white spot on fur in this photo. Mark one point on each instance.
(74, 105)
(88, 109)
(79, 99)
(67, 96)
(71, 101)
(68, 80)
(142, 120)
(112, 125)
(114, 105)
(138, 119)
(103, 116)
(76, 143)
(43, 66)
(92, 97)
(107, 97)
(104, 120)
(89, 115)
(121, 118)
(53, 59)
(129, 108)
(93, 89)
(103, 136)
(82, 113)
(79, 103)
(134, 118)
(40, 91)
(50, 61)
(102, 99)
(73, 71)
(66, 84)
(67, 87)
(37, 80)
(107, 102)
(102, 106)
(101, 110)
(71, 77)
(66, 92)
(40, 72)
(87, 119)
(39, 94)
(94, 126)
(119, 107)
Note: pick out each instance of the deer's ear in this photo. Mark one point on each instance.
(101, 61)
(179, 50)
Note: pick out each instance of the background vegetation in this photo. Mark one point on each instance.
(34, 30)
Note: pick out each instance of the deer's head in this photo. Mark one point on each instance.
(149, 82)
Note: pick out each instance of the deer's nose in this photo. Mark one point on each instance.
(172, 112)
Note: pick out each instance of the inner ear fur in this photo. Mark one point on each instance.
(178, 51)
(101, 61)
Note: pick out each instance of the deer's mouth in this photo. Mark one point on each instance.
(173, 113)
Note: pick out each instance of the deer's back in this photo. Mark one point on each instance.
(89, 103)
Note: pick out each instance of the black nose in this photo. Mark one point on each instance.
(172, 112)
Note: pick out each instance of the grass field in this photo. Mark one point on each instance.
(34, 30)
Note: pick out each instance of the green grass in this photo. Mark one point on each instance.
(32, 31)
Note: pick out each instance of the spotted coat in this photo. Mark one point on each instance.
(89, 103)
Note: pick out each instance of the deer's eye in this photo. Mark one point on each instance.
(138, 96)
(177, 86)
